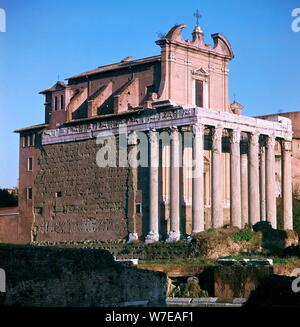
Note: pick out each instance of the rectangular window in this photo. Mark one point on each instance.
(29, 164)
(199, 93)
(29, 193)
(26, 139)
(138, 208)
(31, 140)
(62, 105)
(23, 141)
(55, 104)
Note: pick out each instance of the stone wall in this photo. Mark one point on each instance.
(77, 200)
(230, 281)
(41, 276)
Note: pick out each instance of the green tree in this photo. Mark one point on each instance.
(8, 199)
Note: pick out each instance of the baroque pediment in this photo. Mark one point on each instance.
(200, 72)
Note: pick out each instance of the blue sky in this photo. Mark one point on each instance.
(45, 39)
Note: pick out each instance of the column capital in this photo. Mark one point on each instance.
(286, 145)
(217, 133)
(153, 136)
(254, 138)
(235, 136)
(271, 140)
(133, 138)
(198, 129)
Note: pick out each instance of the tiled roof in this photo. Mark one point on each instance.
(58, 85)
(40, 126)
(119, 65)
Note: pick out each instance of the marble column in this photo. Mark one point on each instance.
(153, 235)
(174, 234)
(235, 179)
(262, 184)
(287, 190)
(270, 182)
(198, 182)
(244, 183)
(253, 166)
(217, 179)
(133, 177)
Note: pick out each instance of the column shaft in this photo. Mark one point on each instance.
(287, 190)
(153, 234)
(198, 183)
(174, 234)
(262, 184)
(133, 178)
(244, 183)
(235, 180)
(217, 179)
(254, 205)
(270, 182)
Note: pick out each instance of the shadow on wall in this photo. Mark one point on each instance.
(274, 291)
(275, 240)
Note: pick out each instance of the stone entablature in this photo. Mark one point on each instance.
(179, 116)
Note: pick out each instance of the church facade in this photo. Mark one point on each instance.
(206, 165)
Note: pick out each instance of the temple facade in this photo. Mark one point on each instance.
(204, 164)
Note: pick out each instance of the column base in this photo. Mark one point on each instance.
(152, 238)
(173, 237)
(132, 237)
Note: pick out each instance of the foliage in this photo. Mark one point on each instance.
(243, 235)
(8, 199)
(190, 289)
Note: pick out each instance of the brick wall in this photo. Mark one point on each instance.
(9, 219)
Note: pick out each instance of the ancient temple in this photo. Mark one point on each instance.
(207, 165)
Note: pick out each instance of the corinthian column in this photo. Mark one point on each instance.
(254, 205)
(133, 177)
(198, 183)
(244, 182)
(262, 184)
(235, 179)
(270, 182)
(153, 235)
(174, 234)
(217, 179)
(287, 196)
